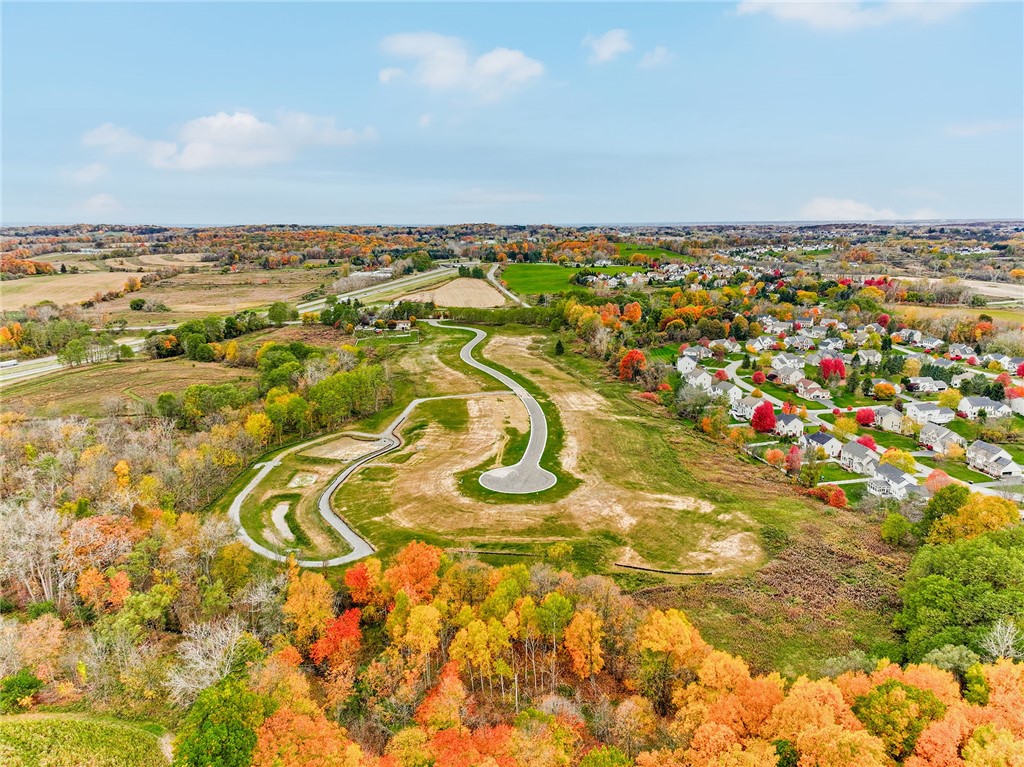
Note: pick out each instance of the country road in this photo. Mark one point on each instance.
(525, 476)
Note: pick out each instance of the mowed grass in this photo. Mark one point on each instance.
(659, 254)
(85, 390)
(534, 279)
(67, 740)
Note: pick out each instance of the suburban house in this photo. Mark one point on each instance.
(856, 458)
(697, 352)
(890, 482)
(727, 389)
(803, 343)
(786, 360)
(403, 324)
(788, 425)
(685, 365)
(939, 438)
(1017, 405)
(808, 389)
(1003, 360)
(698, 378)
(744, 409)
(730, 347)
(972, 407)
(927, 412)
(788, 376)
(925, 385)
(888, 418)
(960, 352)
(992, 460)
(907, 336)
(825, 441)
(895, 386)
(869, 356)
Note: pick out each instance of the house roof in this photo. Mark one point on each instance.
(894, 476)
(858, 450)
(821, 438)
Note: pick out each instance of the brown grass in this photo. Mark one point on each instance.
(59, 288)
(84, 390)
(463, 291)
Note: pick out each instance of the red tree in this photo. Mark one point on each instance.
(831, 367)
(342, 637)
(1020, 369)
(865, 416)
(632, 363)
(758, 378)
(867, 441)
(794, 458)
(721, 375)
(764, 417)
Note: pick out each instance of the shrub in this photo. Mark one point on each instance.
(18, 688)
(136, 304)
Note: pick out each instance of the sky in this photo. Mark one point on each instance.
(564, 113)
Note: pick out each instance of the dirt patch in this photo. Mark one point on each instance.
(277, 516)
(723, 555)
(429, 374)
(303, 479)
(464, 291)
(342, 449)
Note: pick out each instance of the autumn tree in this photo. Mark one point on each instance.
(980, 514)
(763, 420)
(220, 727)
(291, 739)
(901, 459)
(898, 713)
(632, 363)
(583, 639)
(308, 607)
(415, 571)
(865, 416)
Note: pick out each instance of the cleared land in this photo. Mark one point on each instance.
(463, 291)
(534, 279)
(59, 288)
(629, 249)
(1013, 316)
(86, 390)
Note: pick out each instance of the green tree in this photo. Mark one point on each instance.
(278, 313)
(896, 529)
(948, 500)
(898, 713)
(605, 756)
(955, 592)
(220, 727)
(17, 688)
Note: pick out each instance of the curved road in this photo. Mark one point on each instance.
(526, 476)
(497, 283)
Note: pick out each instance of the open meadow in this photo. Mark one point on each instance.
(534, 279)
(462, 291)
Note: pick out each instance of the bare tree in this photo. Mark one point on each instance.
(1003, 641)
(30, 537)
(209, 652)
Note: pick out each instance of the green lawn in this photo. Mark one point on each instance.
(667, 354)
(534, 279)
(629, 249)
(846, 399)
(889, 439)
(955, 470)
(833, 472)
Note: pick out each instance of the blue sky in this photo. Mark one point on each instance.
(196, 113)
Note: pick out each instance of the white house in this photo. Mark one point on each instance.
(1016, 405)
(788, 425)
(699, 378)
(927, 412)
(855, 457)
(744, 409)
(786, 360)
(939, 438)
(925, 385)
(992, 460)
(727, 389)
(822, 439)
(972, 407)
(888, 418)
(685, 365)
(890, 482)
(960, 352)
(869, 356)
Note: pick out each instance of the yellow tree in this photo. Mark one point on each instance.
(583, 642)
(259, 428)
(310, 604)
(981, 514)
(901, 459)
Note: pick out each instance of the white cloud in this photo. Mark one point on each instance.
(981, 128)
(87, 174)
(852, 14)
(445, 64)
(608, 46)
(227, 140)
(425, 120)
(834, 209)
(658, 56)
(100, 204)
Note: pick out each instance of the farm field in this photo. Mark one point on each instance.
(462, 291)
(59, 288)
(534, 279)
(1008, 315)
(88, 390)
(69, 740)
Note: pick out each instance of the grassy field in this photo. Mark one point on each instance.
(1012, 316)
(629, 249)
(86, 390)
(534, 279)
(68, 740)
(955, 470)
(60, 288)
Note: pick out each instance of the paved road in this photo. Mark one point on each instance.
(526, 475)
(43, 365)
(497, 283)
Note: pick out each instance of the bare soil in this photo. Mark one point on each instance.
(464, 291)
